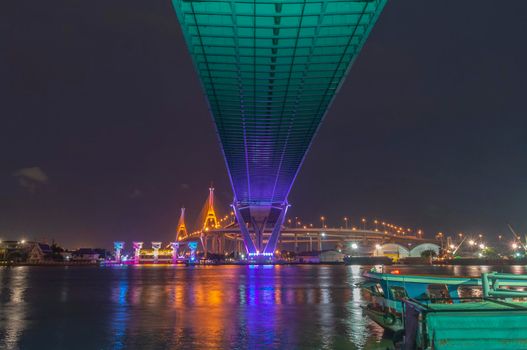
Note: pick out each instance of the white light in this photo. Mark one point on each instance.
(323, 234)
(471, 242)
(23, 241)
(452, 246)
(378, 246)
(354, 246)
(514, 246)
(481, 246)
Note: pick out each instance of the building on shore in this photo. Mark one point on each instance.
(39, 253)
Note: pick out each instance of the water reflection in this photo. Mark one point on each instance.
(221, 307)
(120, 314)
(13, 315)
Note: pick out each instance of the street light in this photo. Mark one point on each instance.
(363, 220)
(481, 246)
(514, 246)
(346, 222)
(323, 220)
(354, 246)
(471, 242)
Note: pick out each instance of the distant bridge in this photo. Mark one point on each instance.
(223, 235)
(309, 239)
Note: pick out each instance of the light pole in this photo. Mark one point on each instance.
(346, 222)
(323, 220)
(363, 220)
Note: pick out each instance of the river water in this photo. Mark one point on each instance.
(202, 307)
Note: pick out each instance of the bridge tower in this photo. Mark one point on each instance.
(181, 226)
(211, 221)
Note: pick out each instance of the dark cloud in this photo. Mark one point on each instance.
(31, 178)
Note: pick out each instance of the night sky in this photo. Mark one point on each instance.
(105, 133)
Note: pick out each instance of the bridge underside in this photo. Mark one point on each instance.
(270, 69)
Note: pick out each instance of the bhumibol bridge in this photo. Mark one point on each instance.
(270, 69)
(221, 235)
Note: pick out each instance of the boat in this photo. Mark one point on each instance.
(386, 293)
(497, 321)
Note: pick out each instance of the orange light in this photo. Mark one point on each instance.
(395, 272)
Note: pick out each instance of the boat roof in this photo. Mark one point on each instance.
(422, 278)
(433, 279)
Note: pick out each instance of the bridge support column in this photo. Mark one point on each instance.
(118, 247)
(156, 246)
(223, 248)
(256, 248)
(137, 251)
(250, 248)
(213, 246)
(319, 238)
(175, 247)
(296, 242)
(203, 239)
(275, 234)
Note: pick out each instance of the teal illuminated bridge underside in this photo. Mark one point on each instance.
(270, 69)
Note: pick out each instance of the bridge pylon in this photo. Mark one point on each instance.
(211, 221)
(181, 226)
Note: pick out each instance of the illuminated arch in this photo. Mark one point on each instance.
(393, 250)
(419, 249)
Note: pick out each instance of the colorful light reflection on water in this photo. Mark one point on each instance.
(216, 307)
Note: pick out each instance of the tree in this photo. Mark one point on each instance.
(429, 254)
